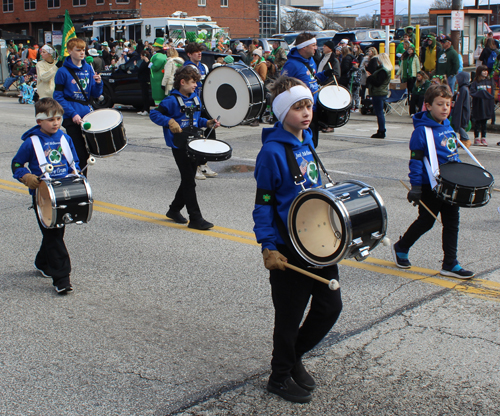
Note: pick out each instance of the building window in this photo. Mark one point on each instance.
(78, 3)
(29, 4)
(53, 4)
(202, 3)
(223, 3)
(99, 2)
(268, 18)
(8, 6)
(122, 1)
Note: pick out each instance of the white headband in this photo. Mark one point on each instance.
(44, 116)
(306, 43)
(48, 49)
(284, 101)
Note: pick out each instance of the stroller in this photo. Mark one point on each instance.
(27, 95)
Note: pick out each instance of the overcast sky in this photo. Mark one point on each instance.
(362, 7)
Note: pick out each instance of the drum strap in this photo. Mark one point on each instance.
(73, 74)
(432, 167)
(40, 155)
(293, 166)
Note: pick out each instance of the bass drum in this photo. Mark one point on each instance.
(64, 201)
(105, 134)
(334, 104)
(235, 93)
(330, 223)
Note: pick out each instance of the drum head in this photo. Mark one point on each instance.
(464, 174)
(102, 120)
(335, 97)
(209, 146)
(44, 204)
(227, 94)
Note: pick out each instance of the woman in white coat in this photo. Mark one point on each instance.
(46, 70)
(174, 61)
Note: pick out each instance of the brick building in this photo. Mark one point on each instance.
(36, 17)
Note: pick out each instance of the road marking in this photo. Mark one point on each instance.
(480, 288)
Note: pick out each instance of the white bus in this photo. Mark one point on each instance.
(151, 28)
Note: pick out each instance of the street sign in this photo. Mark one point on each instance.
(386, 12)
(457, 20)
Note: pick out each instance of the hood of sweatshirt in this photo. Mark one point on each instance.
(463, 78)
(37, 131)
(280, 135)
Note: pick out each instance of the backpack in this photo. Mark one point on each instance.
(491, 59)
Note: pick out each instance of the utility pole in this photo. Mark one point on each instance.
(455, 34)
(409, 12)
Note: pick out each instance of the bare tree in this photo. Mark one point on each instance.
(441, 4)
(299, 21)
(365, 21)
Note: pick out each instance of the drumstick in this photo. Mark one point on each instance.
(421, 203)
(326, 85)
(496, 189)
(210, 132)
(332, 284)
(48, 169)
(90, 162)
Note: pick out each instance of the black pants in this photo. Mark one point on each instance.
(450, 216)
(146, 95)
(291, 292)
(416, 103)
(315, 128)
(410, 82)
(53, 256)
(186, 193)
(75, 132)
(480, 125)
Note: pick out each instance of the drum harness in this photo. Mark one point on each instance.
(299, 180)
(86, 102)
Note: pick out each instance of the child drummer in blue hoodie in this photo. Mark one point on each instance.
(75, 97)
(438, 103)
(291, 291)
(173, 115)
(52, 260)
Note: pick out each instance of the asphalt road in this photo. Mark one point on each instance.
(166, 320)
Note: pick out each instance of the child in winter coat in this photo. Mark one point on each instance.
(483, 103)
(417, 94)
(355, 85)
(460, 113)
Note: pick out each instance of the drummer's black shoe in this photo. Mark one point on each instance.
(41, 271)
(289, 390)
(200, 224)
(378, 135)
(63, 289)
(455, 270)
(400, 257)
(302, 377)
(176, 216)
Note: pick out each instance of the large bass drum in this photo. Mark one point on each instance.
(104, 132)
(64, 201)
(334, 222)
(235, 93)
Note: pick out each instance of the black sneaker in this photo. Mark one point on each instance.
(289, 390)
(200, 224)
(455, 270)
(400, 257)
(176, 216)
(63, 289)
(302, 377)
(41, 271)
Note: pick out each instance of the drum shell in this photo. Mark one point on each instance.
(106, 142)
(471, 189)
(220, 97)
(362, 222)
(70, 195)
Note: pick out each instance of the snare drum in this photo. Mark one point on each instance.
(209, 149)
(334, 222)
(106, 134)
(465, 185)
(64, 201)
(235, 93)
(334, 103)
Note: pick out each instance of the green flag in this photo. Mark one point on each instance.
(68, 33)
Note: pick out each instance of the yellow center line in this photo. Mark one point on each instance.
(477, 287)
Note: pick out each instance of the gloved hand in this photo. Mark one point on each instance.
(31, 181)
(273, 259)
(174, 126)
(414, 195)
(328, 73)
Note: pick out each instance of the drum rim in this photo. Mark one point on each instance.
(102, 131)
(52, 195)
(327, 196)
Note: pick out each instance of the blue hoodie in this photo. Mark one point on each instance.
(275, 184)
(445, 140)
(51, 146)
(66, 88)
(295, 67)
(169, 108)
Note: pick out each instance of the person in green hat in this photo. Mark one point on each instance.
(158, 62)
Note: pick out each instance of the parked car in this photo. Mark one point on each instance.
(365, 38)
(265, 43)
(122, 85)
